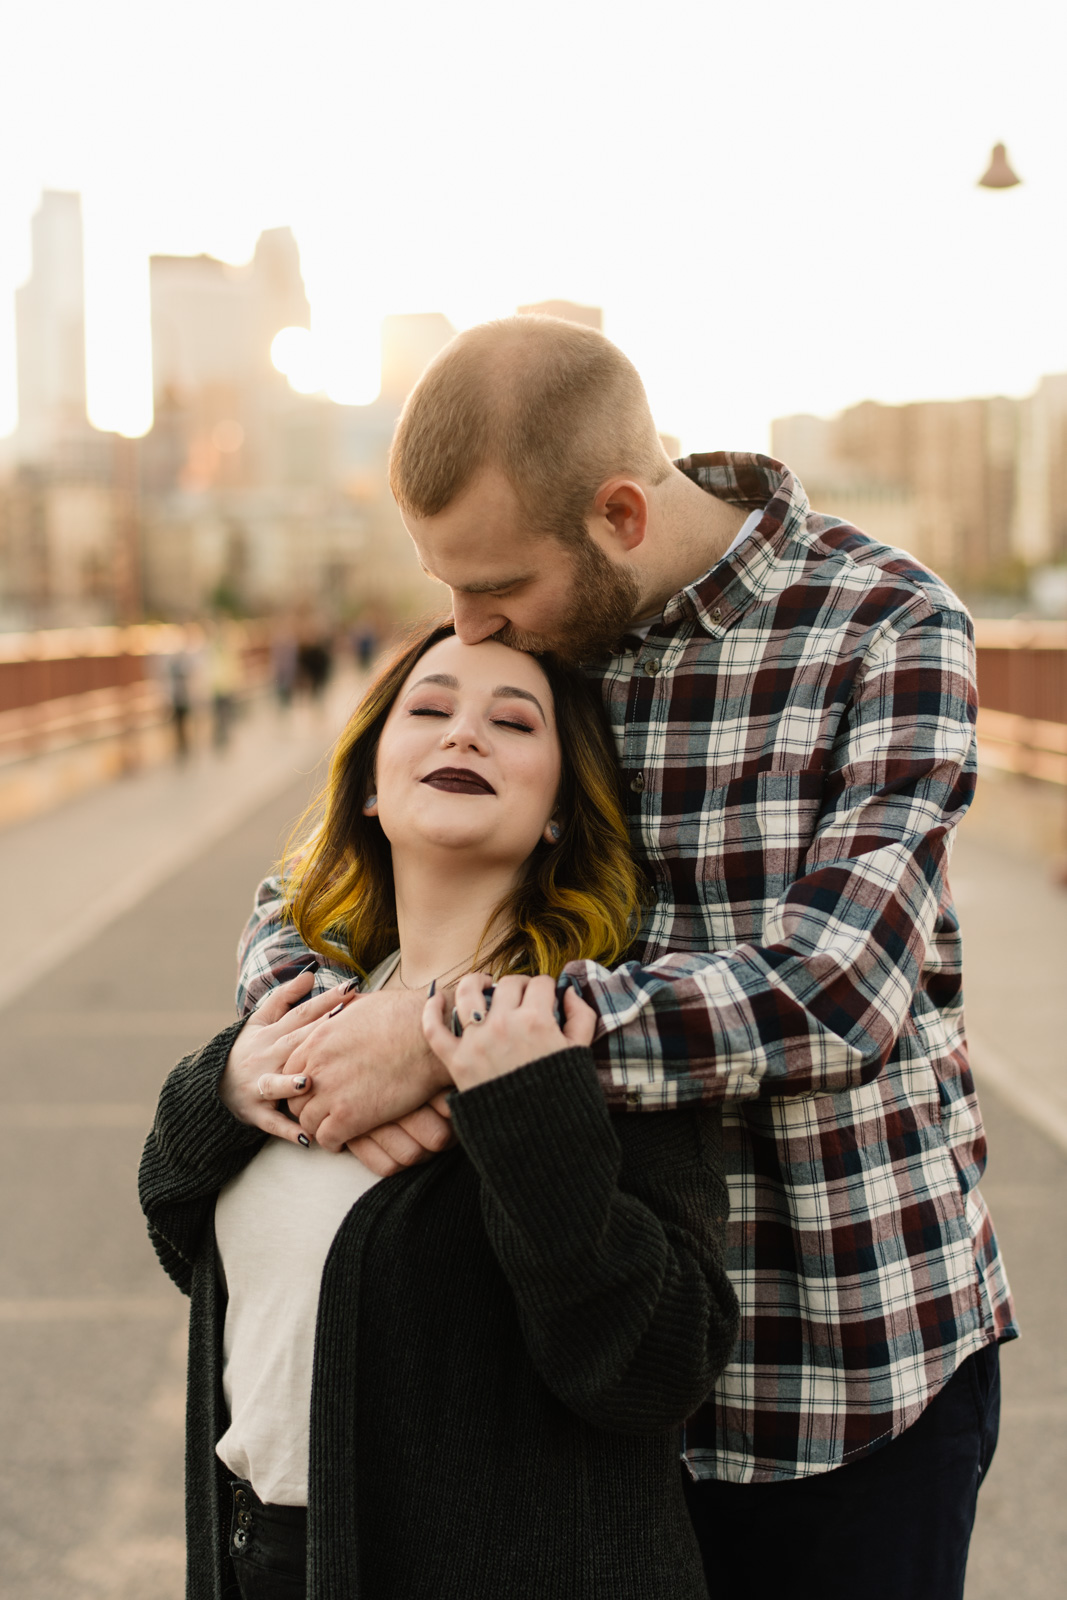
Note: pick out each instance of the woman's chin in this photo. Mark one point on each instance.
(460, 839)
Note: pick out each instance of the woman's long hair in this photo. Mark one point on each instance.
(578, 898)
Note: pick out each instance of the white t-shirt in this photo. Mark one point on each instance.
(274, 1225)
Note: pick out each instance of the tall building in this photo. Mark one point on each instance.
(220, 404)
(938, 478)
(1040, 526)
(588, 316)
(213, 323)
(50, 328)
(409, 344)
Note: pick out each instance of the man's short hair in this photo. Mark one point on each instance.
(556, 406)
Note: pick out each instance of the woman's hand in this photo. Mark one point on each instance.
(521, 1026)
(253, 1083)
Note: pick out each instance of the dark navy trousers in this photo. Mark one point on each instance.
(894, 1525)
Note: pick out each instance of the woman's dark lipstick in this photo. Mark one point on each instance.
(458, 780)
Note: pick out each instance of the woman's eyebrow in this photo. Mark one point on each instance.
(506, 691)
(445, 679)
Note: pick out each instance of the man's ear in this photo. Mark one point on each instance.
(620, 513)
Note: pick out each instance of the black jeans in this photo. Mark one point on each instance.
(894, 1525)
(268, 1546)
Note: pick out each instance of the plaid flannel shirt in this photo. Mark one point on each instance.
(797, 741)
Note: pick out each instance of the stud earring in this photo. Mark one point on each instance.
(369, 803)
(554, 832)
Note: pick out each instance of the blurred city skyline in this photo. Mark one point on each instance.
(776, 209)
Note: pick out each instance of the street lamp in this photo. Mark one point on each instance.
(999, 174)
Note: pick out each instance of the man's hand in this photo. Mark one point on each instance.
(253, 1081)
(368, 1066)
(425, 1133)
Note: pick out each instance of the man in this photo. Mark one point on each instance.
(793, 706)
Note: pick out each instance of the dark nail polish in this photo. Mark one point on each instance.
(433, 990)
(300, 1083)
(335, 1010)
(303, 1139)
(351, 986)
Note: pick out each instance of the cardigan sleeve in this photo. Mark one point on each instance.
(195, 1145)
(610, 1233)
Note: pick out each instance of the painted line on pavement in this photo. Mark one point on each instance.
(1031, 1102)
(118, 1308)
(124, 1024)
(73, 1115)
(129, 891)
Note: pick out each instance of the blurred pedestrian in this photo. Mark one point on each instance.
(315, 664)
(283, 660)
(178, 675)
(225, 677)
(365, 642)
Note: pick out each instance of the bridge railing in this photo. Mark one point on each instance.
(68, 686)
(1022, 692)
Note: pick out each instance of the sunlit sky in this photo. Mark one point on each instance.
(774, 203)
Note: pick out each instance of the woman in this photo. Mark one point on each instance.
(467, 1380)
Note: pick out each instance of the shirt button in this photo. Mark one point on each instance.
(633, 1097)
(637, 782)
(716, 615)
(652, 666)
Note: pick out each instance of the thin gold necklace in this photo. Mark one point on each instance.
(446, 974)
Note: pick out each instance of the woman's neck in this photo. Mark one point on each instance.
(442, 907)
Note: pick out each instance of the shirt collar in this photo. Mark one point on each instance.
(737, 580)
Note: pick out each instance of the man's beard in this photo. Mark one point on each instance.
(605, 599)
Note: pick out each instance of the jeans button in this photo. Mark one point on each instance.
(244, 1519)
(240, 1539)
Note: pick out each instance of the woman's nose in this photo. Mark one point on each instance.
(464, 732)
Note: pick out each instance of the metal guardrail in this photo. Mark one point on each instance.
(67, 686)
(1022, 692)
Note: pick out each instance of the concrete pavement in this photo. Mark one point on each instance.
(112, 990)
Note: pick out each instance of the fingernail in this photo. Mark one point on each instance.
(477, 1016)
(303, 1139)
(335, 1010)
(309, 966)
(351, 986)
(433, 990)
(300, 1083)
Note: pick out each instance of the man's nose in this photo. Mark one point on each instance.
(475, 619)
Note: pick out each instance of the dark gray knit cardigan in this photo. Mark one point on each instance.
(508, 1338)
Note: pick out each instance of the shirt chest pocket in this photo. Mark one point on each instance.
(753, 838)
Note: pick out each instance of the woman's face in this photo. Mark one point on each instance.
(469, 756)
